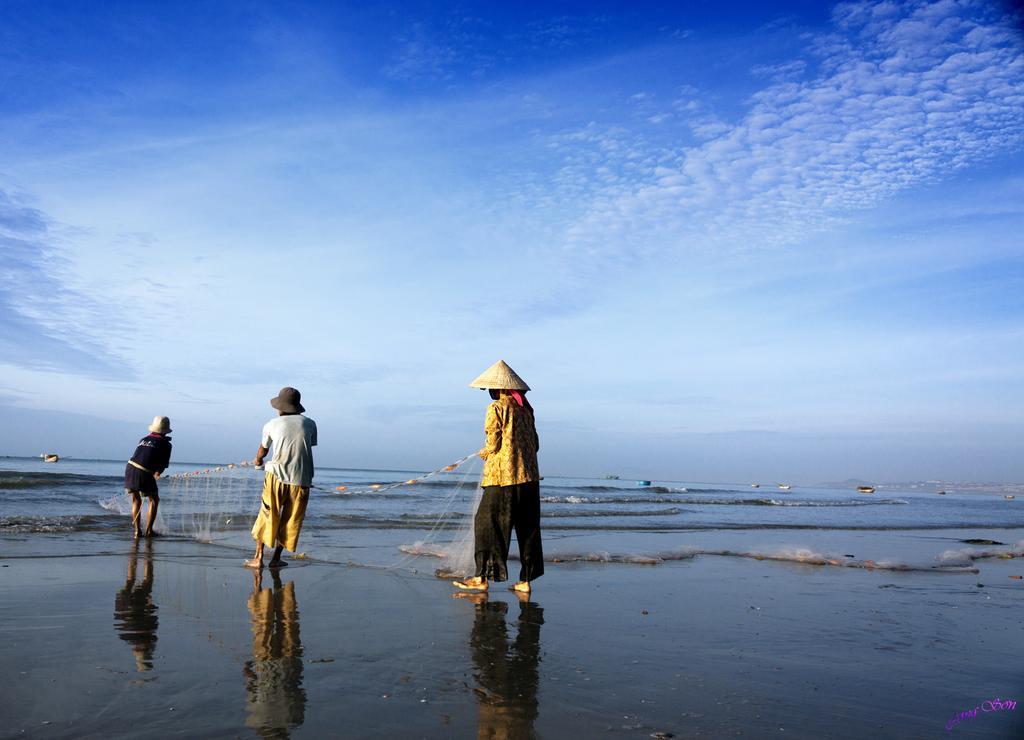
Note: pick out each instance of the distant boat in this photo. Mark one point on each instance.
(611, 477)
(50, 457)
(942, 493)
(643, 483)
(865, 489)
(755, 485)
(1008, 497)
(784, 486)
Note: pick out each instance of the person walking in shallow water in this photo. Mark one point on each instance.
(151, 458)
(511, 483)
(288, 478)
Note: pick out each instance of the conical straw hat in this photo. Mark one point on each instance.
(500, 376)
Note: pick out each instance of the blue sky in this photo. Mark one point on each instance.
(758, 241)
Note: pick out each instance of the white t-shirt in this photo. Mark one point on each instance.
(293, 437)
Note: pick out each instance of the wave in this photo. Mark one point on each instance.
(117, 504)
(403, 521)
(598, 500)
(17, 481)
(460, 482)
(800, 555)
(452, 520)
(970, 554)
(621, 489)
(795, 502)
(716, 526)
(643, 512)
(705, 490)
(54, 524)
(614, 522)
(609, 500)
(433, 517)
(787, 554)
(421, 548)
(430, 518)
(646, 489)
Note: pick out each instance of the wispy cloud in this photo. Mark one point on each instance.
(897, 96)
(781, 72)
(41, 325)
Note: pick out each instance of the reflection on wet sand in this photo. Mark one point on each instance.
(135, 617)
(506, 675)
(275, 699)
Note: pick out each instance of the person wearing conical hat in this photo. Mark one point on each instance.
(151, 458)
(511, 483)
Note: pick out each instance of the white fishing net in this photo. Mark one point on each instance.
(451, 538)
(213, 506)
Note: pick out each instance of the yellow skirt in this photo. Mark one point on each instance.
(282, 509)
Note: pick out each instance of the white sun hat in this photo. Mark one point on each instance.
(160, 425)
(500, 376)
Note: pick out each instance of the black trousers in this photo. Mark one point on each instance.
(506, 674)
(502, 508)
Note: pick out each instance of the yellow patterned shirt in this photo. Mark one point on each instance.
(512, 443)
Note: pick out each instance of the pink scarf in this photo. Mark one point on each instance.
(520, 398)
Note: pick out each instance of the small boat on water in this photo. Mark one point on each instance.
(643, 483)
(755, 485)
(784, 486)
(942, 493)
(1009, 497)
(865, 489)
(50, 457)
(611, 477)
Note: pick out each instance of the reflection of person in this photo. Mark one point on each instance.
(511, 483)
(151, 458)
(506, 675)
(275, 699)
(289, 476)
(134, 611)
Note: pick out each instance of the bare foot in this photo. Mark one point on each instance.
(277, 564)
(151, 533)
(136, 535)
(254, 563)
(523, 587)
(471, 584)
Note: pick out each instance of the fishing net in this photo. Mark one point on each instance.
(219, 504)
(451, 537)
(209, 505)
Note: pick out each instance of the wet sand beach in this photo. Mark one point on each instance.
(174, 638)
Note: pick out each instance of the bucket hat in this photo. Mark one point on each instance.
(160, 425)
(500, 376)
(287, 400)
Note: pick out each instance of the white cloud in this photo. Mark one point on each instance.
(46, 323)
(780, 72)
(902, 95)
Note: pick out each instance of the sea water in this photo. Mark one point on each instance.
(583, 519)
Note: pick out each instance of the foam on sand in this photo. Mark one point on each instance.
(947, 562)
(970, 554)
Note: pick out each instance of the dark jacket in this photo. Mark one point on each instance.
(153, 454)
